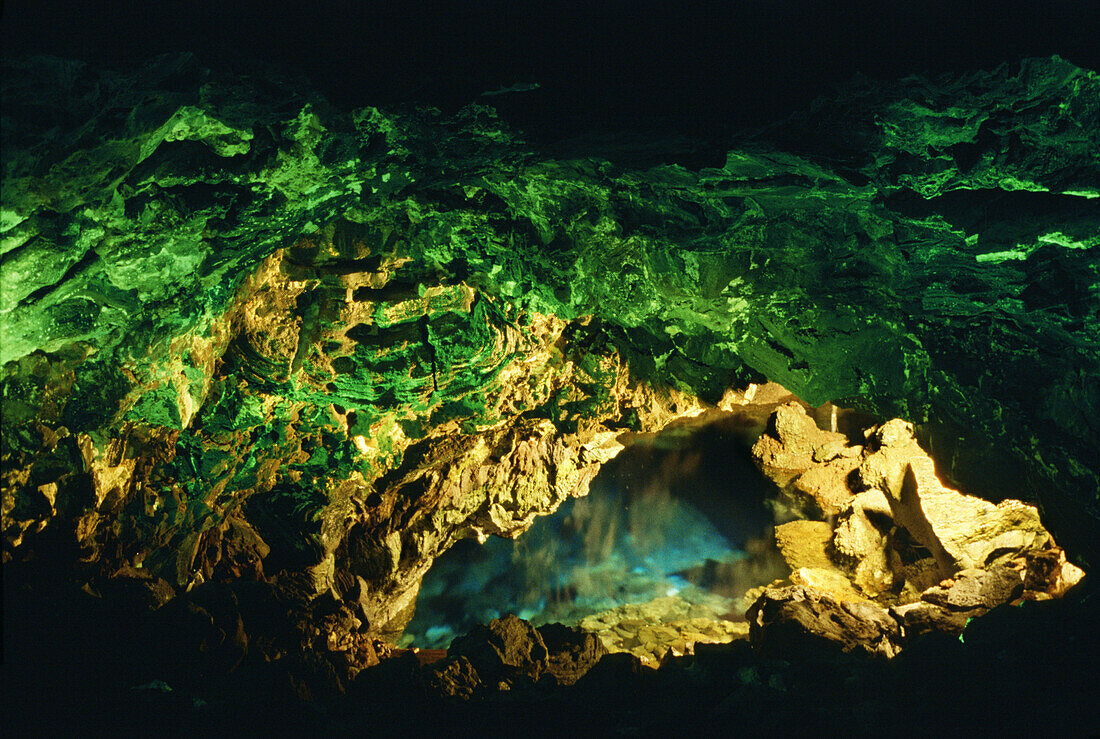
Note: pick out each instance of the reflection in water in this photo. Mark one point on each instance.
(681, 514)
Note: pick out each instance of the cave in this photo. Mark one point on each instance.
(511, 369)
(680, 519)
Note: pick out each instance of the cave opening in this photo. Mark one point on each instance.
(235, 440)
(668, 549)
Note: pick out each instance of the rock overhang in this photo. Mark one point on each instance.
(213, 265)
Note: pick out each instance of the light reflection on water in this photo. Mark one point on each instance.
(665, 516)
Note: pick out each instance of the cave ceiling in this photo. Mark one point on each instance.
(233, 312)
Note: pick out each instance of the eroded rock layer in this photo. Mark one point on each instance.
(900, 555)
(250, 337)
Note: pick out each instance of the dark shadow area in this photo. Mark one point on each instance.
(1003, 218)
(700, 68)
(102, 679)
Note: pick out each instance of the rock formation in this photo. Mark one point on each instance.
(264, 359)
(662, 628)
(905, 556)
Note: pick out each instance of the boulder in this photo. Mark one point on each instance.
(1049, 575)
(797, 622)
(804, 544)
(829, 580)
(793, 439)
(135, 591)
(860, 542)
(977, 589)
(506, 650)
(915, 574)
(941, 556)
(823, 489)
(810, 465)
(615, 674)
(396, 678)
(571, 652)
(960, 530)
(921, 618)
(949, 606)
(889, 448)
(509, 653)
(454, 677)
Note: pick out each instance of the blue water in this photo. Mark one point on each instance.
(657, 510)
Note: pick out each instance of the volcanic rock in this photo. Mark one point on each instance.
(200, 637)
(1049, 574)
(971, 589)
(825, 487)
(507, 650)
(860, 542)
(902, 504)
(959, 530)
(571, 652)
(248, 336)
(508, 654)
(794, 442)
(135, 591)
(805, 547)
(804, 543)
(812, 466)
(613, 672)
(920, 618)
(829, 580)
(454, 677)
(949, 606)
(669, 625)
(878, 547)
(798, 622)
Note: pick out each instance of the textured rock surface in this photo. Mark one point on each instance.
(571, 653)
(1049, 574)
(804, 543)
(805, 546)
(794, 441)
(797, 622)
(974, 588)
(860, 541)
(810, 465)
(960, 531)
(664, 627)
(936, 557)
(949, 606)
(503, 650)
(1031, 128)
(454, 678)
(508, 653)
(248, 336)
(903, 530)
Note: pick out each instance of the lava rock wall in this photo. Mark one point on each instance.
(247, 335)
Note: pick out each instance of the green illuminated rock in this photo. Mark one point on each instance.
(1032, 128)
(244, 333)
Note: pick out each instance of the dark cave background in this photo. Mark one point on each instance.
(698, 68)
